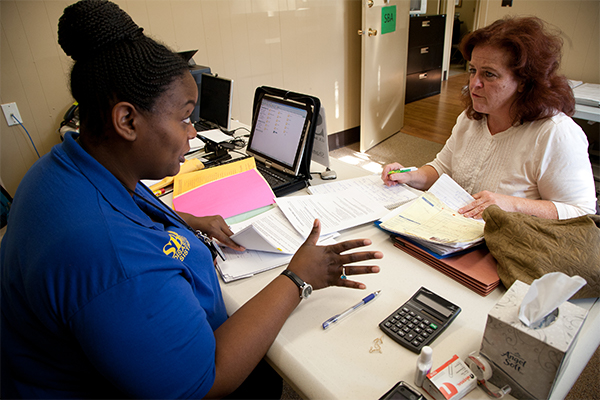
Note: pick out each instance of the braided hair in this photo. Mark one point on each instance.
(113, 61)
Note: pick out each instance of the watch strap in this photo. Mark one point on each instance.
(295, 278)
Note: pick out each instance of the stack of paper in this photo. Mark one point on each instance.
(587, 94)
(272, 237)
(433, 222)
(226, 190)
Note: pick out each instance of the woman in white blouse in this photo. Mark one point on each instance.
(515, 144)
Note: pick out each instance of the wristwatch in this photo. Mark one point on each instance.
(305, 288)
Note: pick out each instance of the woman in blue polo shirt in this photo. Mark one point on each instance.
(106, 292)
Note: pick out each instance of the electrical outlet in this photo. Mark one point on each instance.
(11, 108)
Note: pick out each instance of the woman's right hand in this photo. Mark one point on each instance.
(322, 266)
(394, 179)
(421, 179)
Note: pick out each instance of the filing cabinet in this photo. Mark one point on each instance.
(425, 53)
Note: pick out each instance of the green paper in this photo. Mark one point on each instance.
(388, 19)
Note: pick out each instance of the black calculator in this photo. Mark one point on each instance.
(420, 320)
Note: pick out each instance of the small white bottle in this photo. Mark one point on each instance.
(424, 363)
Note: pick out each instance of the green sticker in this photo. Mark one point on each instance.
(388, 19)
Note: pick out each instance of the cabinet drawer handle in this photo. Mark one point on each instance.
(423, 76)
(424, 50)
(425, 24)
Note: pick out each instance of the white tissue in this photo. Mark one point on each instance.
(546, 294)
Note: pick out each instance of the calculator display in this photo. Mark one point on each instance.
(420, 320)
(437, 307)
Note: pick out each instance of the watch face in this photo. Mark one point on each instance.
(307, 291)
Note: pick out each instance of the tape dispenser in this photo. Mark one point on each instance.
(483, 371)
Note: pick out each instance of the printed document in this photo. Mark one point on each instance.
(270, 231)
(390, 196)
(432, 219)
(336, 211)
(239, 265)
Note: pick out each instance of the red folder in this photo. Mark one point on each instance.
(476, 269)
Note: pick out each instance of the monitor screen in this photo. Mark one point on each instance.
(215, 100)
(278, 131)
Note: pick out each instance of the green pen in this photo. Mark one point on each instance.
(400, 171)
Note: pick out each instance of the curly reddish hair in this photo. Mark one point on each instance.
(535, 54)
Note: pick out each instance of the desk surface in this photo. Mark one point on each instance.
(336, 363)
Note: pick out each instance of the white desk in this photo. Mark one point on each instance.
(336, 363)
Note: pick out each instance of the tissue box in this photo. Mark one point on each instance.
(528, 360)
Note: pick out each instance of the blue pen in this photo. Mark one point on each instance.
(337, 318)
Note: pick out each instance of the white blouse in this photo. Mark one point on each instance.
(540, 160)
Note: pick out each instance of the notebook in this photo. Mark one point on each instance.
(215, 103)
(278, 138)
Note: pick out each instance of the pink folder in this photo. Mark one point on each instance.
(228, 196)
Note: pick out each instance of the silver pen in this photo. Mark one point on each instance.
(338, 317)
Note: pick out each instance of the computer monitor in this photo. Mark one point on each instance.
(215, 100)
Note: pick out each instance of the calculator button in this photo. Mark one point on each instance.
(401, 334)
(433, 326)
(429, 330)
(426, 322)
(420, 339)
(416, 343)
(410, 326)
(388, 324)
(405, 309)
(419, 318)
(393, 320)
(395, 329)
(425, 335)
(418, 330)
(422, 326)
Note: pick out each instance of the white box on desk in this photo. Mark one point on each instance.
(528, 360)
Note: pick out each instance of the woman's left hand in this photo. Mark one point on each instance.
(485, 199)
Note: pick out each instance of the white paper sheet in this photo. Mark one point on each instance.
(389, 196)
(336, 211)
(270, 231)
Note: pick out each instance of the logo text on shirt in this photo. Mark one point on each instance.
(178, 246)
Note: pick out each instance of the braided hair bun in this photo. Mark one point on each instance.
(114, 61)
(87, 26)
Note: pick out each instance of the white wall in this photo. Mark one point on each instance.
(577, 19)
(308, 46)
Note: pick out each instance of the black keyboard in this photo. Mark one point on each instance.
(204, 126)
(272, 178)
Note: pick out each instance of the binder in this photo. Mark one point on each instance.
(476, 269)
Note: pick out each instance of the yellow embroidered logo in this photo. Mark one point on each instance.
(178, 246)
